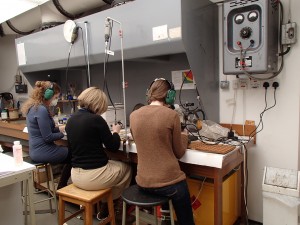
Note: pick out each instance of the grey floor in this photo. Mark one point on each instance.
(51, 219)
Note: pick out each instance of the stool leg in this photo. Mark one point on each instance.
(61, 212)
(171, 212)
(48, 186)
(155, 215)
(137, 215)
(111, 210)
(53, 191)
(88, 211)
(124, 213)
(29, 193)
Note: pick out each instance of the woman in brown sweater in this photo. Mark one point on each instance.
(160, 143)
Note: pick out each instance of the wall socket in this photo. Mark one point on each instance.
(243, 83)
(255, 83)
(224, 84)
(235, 84)
(289, 33)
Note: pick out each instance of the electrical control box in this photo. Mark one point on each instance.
(113, 115)
(21, 88)
(250, 36)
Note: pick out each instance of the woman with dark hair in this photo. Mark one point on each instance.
(156, 131)
(138, 106)
(43, 131)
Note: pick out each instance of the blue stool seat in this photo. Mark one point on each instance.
(134, 195)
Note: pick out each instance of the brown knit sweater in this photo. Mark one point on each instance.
(157, 134)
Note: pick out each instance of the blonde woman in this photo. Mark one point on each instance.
(88, 133)
(42, 130)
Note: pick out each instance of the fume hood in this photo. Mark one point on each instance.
(152, 30)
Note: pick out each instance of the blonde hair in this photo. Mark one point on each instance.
(37, 96)
(94, 100)
(158, 91)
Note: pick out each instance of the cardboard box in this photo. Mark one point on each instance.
(39, 174)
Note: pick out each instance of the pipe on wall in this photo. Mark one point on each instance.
(49, 13)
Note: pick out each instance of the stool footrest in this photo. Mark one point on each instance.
(43, 211)
(74, 214)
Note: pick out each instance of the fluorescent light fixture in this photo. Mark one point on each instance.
(12, 8)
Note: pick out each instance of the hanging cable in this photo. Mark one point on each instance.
(105, 65)
(234, 109)
(66, 75)
(255, 132)
(59, 7)
(9, 24)
(84, 52)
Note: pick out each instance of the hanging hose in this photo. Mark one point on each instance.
(108, 2)
(1, 31)
(16, 30)
(63, 11)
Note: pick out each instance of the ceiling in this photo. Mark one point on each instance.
(12, 8)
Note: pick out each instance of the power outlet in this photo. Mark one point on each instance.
(224, 84)
(289, 33)
(243, 83)
(255, 83)
(235, 84)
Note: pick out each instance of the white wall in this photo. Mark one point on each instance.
(278, 143)
(9, 66)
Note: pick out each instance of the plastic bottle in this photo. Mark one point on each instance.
(17, 153)
(60, 119)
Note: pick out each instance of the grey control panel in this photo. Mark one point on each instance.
(250, 36)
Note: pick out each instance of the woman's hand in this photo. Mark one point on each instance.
(62, 128)
(185, 131)
(116, 128)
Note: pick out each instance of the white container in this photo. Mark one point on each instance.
(17, 153)
(4, 114)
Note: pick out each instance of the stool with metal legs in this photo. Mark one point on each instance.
(137, 197)
(49, 189)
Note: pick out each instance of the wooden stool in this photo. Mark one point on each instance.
(135, 196)
(86, 199)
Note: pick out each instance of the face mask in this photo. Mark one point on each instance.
(54, 102)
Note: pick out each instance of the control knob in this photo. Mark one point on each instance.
(246, 32)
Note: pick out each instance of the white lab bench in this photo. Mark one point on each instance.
(11, 178)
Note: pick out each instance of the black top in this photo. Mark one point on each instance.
(87, 132)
